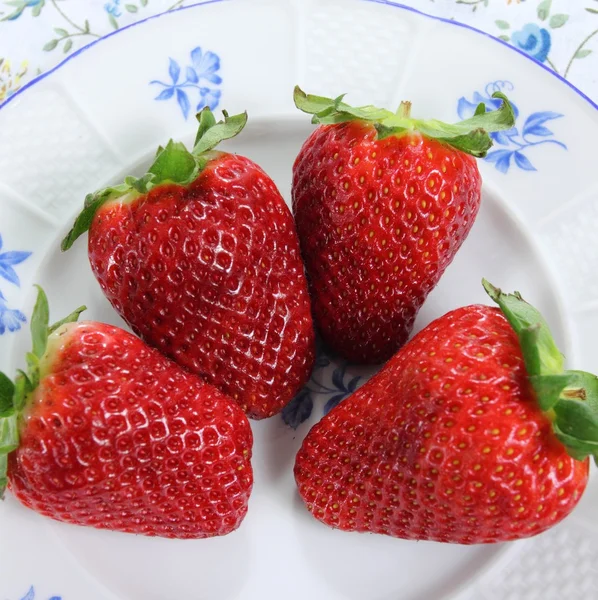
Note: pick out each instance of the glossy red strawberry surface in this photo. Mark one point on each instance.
(446, 443)
(118, 437)
(379, 221)
(210, 274)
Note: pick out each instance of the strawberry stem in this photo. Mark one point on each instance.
(172, 164)
(568, 398)
(13, 396)
(404, 110)
(470, 136)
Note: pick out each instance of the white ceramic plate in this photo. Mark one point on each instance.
(102, 113)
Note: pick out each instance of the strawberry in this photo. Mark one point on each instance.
(201, 258)
(471, 433)
(105, 431)
(382, 203)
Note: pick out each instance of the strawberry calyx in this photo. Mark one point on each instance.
(173, 163)
(568, 398)
(470, 136)
(14, 394)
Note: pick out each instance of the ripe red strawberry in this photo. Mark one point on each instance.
(105, 431)
(471, 433)
(201, 258)
(382, 203)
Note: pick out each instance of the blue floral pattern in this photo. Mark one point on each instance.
(113, 8)
(30, 595)
(10, 319)
(199, 80)
(519, 140)
(533, 40)
(342, 385)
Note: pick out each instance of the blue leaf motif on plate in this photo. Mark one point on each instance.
(299, 409)
(523, 162)
(516, 144)
(534, 124)
(333, 402)
(501, 159)
(10, 319)
(183, 101)
(345, 389)
(30, 595)
(174, 70)
(195, 84)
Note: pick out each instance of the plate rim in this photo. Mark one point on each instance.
(30, 84)
(507, 549)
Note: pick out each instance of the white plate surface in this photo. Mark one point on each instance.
(97, 117)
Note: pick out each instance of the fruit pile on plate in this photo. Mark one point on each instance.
(471, 432)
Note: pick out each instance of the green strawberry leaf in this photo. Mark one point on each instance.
(175, 164)
(3, 479)
(72, 318)
(540, 352)
(9, 434)
(568, 398)
(578, 449)
(470, 136)
(22, 389)
(206, 120)
(172, 164)
(93, 202)
(39, 323)
(218, 132)
(549, 388)
(32, 369)
(7, 390)
(13, 396)
(9, 441)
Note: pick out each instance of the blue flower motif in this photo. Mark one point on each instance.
(533, 41)
(7, 261)
(30, 595)
(113, 8)
(208, 97)
(10, 319)
(205, 65)
(202, 71)
(516, 143)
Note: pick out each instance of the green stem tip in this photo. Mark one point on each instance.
(471, 135)
(13, 394)
(568, 398)
(172, 164)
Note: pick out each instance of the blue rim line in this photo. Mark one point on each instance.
(384, 2)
